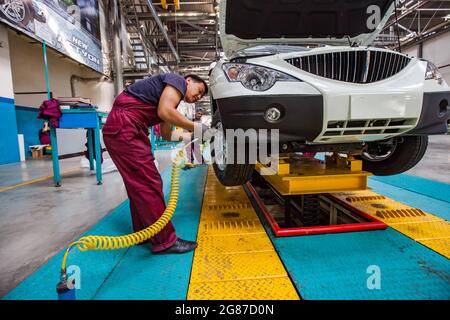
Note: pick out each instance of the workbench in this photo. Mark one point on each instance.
(85, 118)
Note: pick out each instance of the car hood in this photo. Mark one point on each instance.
(248, 23)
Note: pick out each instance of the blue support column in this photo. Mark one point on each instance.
(91, 149)
(153, 139)
(9, 145)
(56, 172)
(98, 153)
(53, 140)
(47, 79)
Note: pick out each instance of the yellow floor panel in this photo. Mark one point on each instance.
(230, 227)
(438, 245)
(425, 228)
(237, 266)
(256, 242)
(255, 289)
(235, 258)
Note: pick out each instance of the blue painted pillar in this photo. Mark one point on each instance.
(98, 153)
(9, 145)
(90, 148)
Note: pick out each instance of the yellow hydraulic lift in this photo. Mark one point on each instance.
(304, 175)
(342, 185)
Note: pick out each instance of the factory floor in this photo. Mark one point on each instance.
(38, 221)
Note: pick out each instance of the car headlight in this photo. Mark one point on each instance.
(254, 77)
(433, 73)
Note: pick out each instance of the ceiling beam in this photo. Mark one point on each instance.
(186, 15)
(163, 30)
(197, 27)
(404, 14)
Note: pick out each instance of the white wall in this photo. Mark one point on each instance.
(437, 50)
(6, 86)
(413, 51)
(28, 74)
(27, 64)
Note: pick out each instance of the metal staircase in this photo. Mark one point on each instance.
(143, 49)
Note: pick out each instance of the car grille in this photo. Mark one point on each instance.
(337, 129)
(356, 66)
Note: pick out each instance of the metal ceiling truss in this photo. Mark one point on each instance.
(416, 22)
(176, 34)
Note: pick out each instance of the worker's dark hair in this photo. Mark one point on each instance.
(197, 79)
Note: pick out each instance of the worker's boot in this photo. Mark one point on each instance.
(180, 246)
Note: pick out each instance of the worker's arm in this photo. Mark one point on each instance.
(167, 109)
(166, 131)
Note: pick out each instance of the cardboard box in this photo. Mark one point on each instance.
(36, 152)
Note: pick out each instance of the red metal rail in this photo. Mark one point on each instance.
(373, 223)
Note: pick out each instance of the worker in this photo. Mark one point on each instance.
(141, 105)
(44, 134)
(198, 114)
(195, 150)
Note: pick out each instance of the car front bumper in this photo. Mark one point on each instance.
(435, 114)
(301, 115)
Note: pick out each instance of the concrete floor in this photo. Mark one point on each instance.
(435, 165)
(31, 169)
(38, 220)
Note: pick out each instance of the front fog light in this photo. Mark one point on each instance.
(272, 114)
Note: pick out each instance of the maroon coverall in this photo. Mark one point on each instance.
(126, 138)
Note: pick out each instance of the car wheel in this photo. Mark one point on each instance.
(16, 11)
(227, 174)
(394, 156)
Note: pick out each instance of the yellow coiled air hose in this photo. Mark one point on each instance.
(118, 242)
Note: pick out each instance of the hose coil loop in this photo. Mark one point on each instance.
(119, 242)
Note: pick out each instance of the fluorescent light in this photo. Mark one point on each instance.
(187, 40)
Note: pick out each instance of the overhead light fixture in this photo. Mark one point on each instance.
(447, 17)
(408, 3)
(187, 40)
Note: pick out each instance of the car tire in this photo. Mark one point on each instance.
(229, 174)
(408, 152)
(13, 16)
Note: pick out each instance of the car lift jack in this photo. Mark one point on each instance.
(306, 188)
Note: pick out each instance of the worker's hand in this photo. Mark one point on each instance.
(205, 131)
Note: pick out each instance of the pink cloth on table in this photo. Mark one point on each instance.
(50, 110)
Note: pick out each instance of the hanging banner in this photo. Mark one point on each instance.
(70, 26)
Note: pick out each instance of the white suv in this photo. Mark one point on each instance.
(306, 68)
